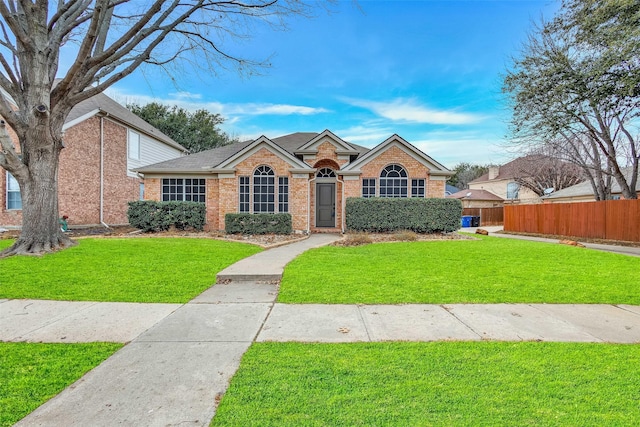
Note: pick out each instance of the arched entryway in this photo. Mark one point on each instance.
(326, 194)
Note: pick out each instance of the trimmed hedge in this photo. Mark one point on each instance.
(420, 215)
(260, 223)
(148, 215)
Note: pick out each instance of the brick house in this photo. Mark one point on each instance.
(103, 143)
(503, 182)
(308, 175)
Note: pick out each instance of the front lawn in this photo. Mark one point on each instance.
(439, 383)
(488, 270)
(170, 270)
(31, 374)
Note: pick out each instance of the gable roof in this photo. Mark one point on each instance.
(102, 104)
(435, 168)
(475, 195)
(342, 145)
(263, 141)
(218, 157)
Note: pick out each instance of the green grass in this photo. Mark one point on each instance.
(489, 270)
(31, 374)
(442, 383)
(171, 270)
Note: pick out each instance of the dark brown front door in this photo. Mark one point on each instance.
(325, 205)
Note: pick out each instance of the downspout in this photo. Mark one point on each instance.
(102, 172)
(309, 205)
(342, 206)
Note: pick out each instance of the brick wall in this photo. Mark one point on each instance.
(152, 189)
(79, 178)
(327, 151)
(79, 173)
(213, 204)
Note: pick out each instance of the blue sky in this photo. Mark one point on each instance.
(427, 70)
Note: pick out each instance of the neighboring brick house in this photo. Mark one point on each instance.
(308, 175)
(502, 181)
(103, 143)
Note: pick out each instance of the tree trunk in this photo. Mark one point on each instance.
(41, 232)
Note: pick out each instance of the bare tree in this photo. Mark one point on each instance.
(577, 85)
(108, 40)
(540, 171)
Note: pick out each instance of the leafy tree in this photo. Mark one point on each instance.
(576, 87)
(465, 173)
(195, 131)
(105, 41)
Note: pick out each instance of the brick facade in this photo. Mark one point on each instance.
(79, 176)
(223, 185)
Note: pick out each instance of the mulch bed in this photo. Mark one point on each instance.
(263, 240)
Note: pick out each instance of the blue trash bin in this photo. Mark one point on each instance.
(466, 220)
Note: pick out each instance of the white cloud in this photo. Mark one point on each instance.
(368, 136)
(410, 111)
(192, 102)
(185, 95)
(273, 109)
(455, 147)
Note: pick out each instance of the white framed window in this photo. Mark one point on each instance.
(368, 187)
(183, 189)
(417, 187)
(264, 190)
(393, 182)
(134, 145)
(261, 193)
(326, 173)
(513, 188)
(244, 193)
(142, 191)
(14, 198)
(283, 194)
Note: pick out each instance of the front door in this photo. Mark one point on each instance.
(325, 205)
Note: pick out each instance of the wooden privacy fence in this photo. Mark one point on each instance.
(488, 216)
(611, 219)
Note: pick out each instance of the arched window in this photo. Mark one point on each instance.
(326, 173)
(263, 190)
(393, 181)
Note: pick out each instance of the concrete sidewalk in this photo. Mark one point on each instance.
(230, 313)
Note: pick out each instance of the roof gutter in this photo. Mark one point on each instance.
(102, 171)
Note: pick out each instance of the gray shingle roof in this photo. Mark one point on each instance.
(584, 188)
(212, 158)
(510, 170)
(475, 195)
(103, 103)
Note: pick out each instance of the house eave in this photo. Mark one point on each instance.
(171, 171)
(299, 170)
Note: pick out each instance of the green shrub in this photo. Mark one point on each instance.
(261, 223)
(383, 215)
(148, 215)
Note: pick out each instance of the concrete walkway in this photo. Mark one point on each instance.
(180, 358)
